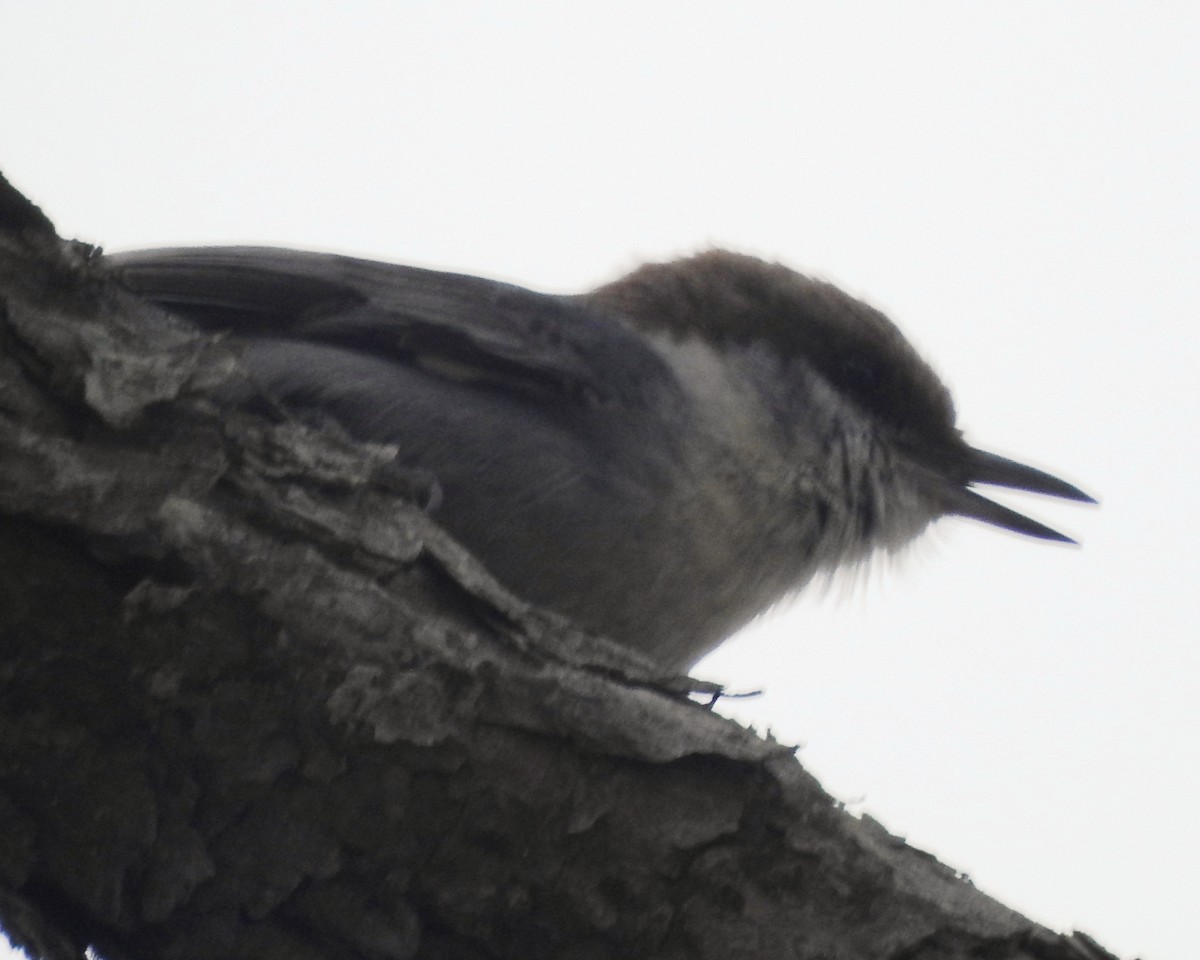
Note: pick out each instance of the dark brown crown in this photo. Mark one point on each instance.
(732, 298)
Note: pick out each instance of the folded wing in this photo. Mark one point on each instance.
(468, 329)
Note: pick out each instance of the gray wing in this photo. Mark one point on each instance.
(465, 328)
(541, 404)
(551, 429)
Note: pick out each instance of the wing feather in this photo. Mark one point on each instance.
(465, 328)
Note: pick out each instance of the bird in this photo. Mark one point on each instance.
(660, 459)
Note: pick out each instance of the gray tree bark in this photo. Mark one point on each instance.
(255, 704)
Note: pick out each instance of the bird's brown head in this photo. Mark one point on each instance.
(730, 299)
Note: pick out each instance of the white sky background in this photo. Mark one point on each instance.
(1015, 184)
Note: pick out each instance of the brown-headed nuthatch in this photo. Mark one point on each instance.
(662, 458)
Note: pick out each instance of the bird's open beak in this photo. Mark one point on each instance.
(999, 471)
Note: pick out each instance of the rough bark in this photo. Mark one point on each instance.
(253, 703)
